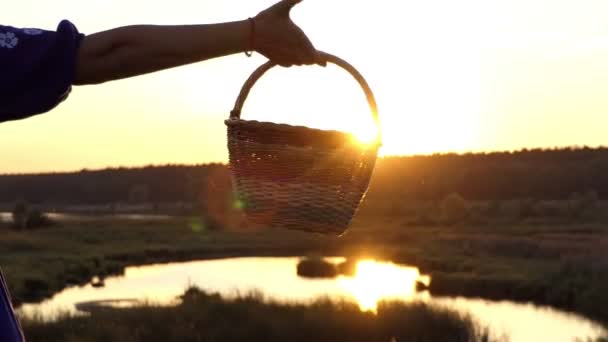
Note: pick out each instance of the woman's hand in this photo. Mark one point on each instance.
(280, 40)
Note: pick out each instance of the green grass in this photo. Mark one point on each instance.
(203, 317)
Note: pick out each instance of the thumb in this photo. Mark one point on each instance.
(285, 6)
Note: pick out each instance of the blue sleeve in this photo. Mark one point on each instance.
(38, 69)
(10, 330)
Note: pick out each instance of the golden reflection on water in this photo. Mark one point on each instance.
(375, 281)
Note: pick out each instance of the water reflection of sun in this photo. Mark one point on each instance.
(375, 281)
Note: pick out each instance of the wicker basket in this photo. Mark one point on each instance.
(297, 177)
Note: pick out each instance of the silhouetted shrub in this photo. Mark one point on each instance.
(493, 208)
(20, 215)
(526, 208)
(36, 288)
(454, 209)
(37, 219)
(583, 205)
(427, 214)
(316, 267)
(25, 217)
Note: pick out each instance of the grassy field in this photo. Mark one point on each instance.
(561, 264)
(203, 317)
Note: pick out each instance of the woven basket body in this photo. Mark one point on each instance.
(297, 177)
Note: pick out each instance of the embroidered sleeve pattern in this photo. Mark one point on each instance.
(38, 68)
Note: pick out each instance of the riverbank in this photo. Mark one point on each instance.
(204, 317)
(563, 265)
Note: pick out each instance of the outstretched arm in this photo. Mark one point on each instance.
(135, 50)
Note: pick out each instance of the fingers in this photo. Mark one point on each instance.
(297, 56)
(287, 44)
(291, 61)
(309, 53)
(298, 50)
(320, 60)
(287, 57)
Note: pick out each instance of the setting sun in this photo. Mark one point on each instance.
(365, 135)
(446, 78)
(297, 170)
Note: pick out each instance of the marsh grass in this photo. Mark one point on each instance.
(205, 317)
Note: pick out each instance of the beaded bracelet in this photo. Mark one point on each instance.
(249, 52)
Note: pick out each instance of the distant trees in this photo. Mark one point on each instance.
(528, 175)
(156, 184)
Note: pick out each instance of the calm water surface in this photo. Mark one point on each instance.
(276, 278)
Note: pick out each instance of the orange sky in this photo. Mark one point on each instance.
(468, 75)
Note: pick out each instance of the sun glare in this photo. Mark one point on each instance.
(375, 281)
(446, 86)
(365, 135)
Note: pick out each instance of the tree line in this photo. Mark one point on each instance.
(543, 174)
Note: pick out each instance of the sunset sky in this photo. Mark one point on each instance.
(469, 75)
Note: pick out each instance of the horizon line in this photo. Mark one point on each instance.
(439, 153)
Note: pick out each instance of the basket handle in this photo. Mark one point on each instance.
(235, 114)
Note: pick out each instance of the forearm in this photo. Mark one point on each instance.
(136, 50)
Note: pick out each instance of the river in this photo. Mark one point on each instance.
(276, 278)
